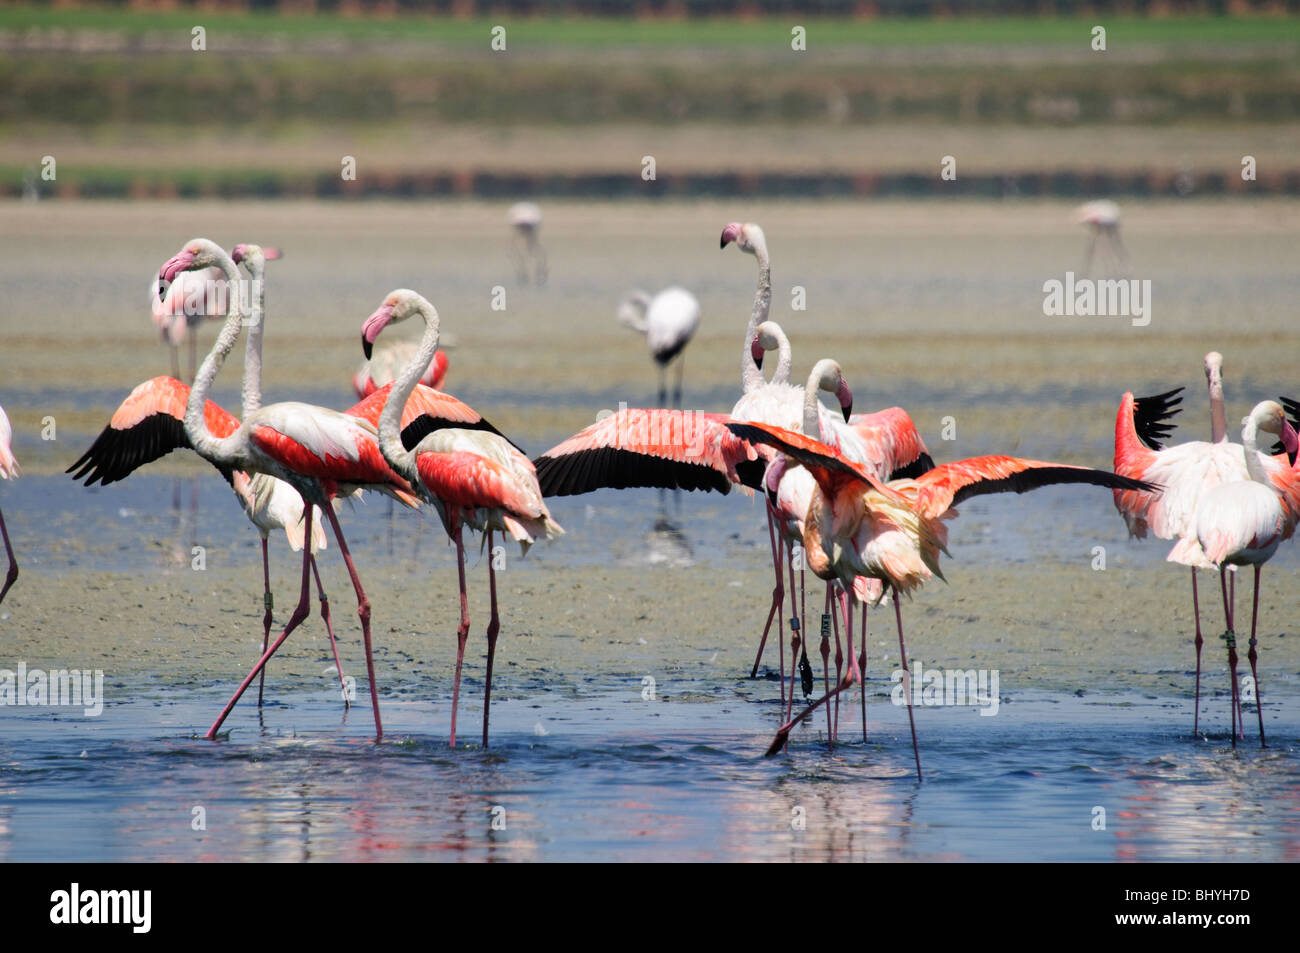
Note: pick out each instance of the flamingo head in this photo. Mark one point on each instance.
(748, 237)
(247, 251)
(830, 378)
(398, 306)
(1214, 369)
(775, 471)
(767, 337)
(196, 253)
(1269, 416)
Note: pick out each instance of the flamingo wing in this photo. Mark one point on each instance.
(148, 425)
(828, 467)
(948, 484)
(1150, 416)
(672, 449)
(892, 439)
(427, 411)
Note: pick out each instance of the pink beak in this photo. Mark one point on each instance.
(374, 324)
(846, 400)
(756, 351)
(175, 265)
(730, 234)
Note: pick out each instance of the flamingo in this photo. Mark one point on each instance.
(184, 304)
(388, 361)
(668, 320)
(9, 471)
(526, 220)
(1102, 219)
(149, 424)
(895, 531)
(472, 477)
(321, 453)
(1241, 524)
(1186, 472)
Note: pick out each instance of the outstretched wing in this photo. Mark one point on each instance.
(893, 440)
(948, 484)
(672, 449)
(828, 468)
(148, 425)
(426, 411)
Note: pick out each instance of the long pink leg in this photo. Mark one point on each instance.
(797, 636)
(778, 602)
(1196, 608)
(1232, 597)
(846, 607)
(1253, 656)
(907, 678)
(1231, 637)
(299, 613)
(783, 733)
(494, 626)
(363, 609)
(329, 627)
(268, 601)
(462, 633)
(862, 667)
(829, 610)
(13, 563)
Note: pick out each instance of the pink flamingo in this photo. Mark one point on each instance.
(184, 304)
(9, 471)
(384, 366)
(1241, 524)
(1185, 472)
(668, 320)
(472, 477)
(895, 531)
(321, 453)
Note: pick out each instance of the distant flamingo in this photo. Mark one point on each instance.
(895, 531)
(320, 452)
(1186, 472)
(525, 247)
(184, 304)
(1241, 524)
(388, 361)
(9, 471)
(668, 320)
(1102, 219)
(472, 477)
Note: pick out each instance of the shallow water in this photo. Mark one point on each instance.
(1096, 665)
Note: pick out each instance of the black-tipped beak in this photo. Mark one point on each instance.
(722, 243)
(848, 412)
(759, 361)
(367, 347)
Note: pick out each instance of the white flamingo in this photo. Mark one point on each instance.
(1241, 524)
(525, 219)
(668, 320)
(1102, 219)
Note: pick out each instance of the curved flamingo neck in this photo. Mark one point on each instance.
(196, 426)
(812, 424)
(783, 359)
(750, 376)
(1250, 441)
(390, 437)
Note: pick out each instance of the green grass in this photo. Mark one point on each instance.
(528, 33)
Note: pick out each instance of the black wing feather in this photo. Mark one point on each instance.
(618, 469)
(1150, 414)
(1035, 477)
(116, 454)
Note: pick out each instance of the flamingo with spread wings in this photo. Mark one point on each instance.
(896, 531)
(1186, 472)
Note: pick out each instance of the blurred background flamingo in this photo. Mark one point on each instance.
(8, 471)
(668, 320)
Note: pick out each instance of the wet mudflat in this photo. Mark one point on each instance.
(934, 308)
